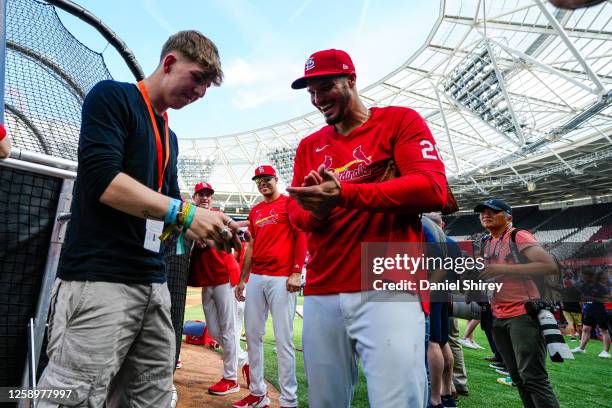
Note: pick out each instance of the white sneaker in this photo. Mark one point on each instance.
(467, 343)
(478, 346)
(578, 350)
(174, 399)
(604, 354)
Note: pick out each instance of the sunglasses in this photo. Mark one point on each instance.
(265, 179)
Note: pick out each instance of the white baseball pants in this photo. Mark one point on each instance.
(243, 356)
(388, 336)
(218, 305)
(269, 293)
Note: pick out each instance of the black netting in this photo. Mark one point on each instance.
(177, 268)
(28, 204)
(48, 73)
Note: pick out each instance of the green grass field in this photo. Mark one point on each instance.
(584, 382)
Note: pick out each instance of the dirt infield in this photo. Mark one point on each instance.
(202, 368)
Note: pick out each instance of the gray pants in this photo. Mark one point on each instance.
(522, 347)
(109, 342)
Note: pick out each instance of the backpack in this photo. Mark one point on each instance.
(550, 286)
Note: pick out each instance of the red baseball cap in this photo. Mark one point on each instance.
(264, 170)
(326, 62)
(203, 186)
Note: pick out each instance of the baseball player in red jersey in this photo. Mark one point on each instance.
(210, 269)
(364, 177)
(274, 259)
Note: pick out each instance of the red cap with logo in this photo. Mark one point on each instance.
(203, 186)
(264, 170)
(326, 62)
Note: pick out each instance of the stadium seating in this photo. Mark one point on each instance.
(554, 235)
(604, 233)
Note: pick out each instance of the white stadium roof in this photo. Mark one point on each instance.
(516, 92)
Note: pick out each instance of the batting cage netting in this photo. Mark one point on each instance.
(27, 204)
(47, 74)
(177, 269)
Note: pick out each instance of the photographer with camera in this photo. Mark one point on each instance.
(516, 331)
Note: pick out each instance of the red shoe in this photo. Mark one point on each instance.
(253, 401)
(224, 387)
(246, 375)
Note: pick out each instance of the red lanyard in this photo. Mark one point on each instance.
(161, 168)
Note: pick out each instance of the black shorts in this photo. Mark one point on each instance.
(438, 322)
(595, 317)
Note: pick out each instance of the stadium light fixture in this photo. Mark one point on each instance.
(477, 83)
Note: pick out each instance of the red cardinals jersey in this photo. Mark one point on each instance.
(209, 267)
(390, 171)
(279, 248)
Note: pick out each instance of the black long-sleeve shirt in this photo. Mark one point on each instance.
(104, 244)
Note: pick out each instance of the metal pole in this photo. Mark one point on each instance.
(34, 157)
(50, 271)
(600, 88)
(448, 134)
(2, 56)
(38, 168)
(502, 84)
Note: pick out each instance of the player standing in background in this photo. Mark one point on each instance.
(365, 177)
(210, 269)
(274, 259)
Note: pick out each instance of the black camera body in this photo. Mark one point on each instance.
(533, 307)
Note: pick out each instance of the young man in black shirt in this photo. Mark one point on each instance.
(110, 334)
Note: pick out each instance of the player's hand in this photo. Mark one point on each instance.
(312, 179)
(320, 199)
(239, 291)
(294, 282)
(215, 228)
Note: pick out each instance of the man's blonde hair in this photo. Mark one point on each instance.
(198, 48)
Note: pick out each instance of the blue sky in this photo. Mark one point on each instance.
(263, 45)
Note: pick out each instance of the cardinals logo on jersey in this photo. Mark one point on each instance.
(348, 171)
(272, 218)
